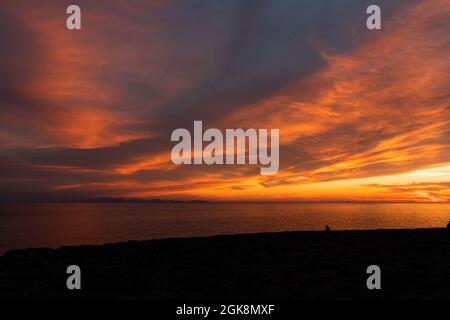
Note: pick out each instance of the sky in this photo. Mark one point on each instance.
(363, 114)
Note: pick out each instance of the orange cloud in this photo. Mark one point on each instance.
(371, 124)
(378, 109)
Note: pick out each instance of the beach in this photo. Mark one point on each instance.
(414, 264)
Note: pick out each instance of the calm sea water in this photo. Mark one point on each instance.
(56, 225)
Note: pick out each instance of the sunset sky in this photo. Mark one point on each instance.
(364, 115)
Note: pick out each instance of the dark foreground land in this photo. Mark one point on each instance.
(289, 265)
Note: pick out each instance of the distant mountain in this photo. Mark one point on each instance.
(136, 200)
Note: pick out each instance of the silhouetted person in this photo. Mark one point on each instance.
(448, 230)
(327, 228)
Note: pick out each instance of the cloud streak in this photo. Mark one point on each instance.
(90, 113)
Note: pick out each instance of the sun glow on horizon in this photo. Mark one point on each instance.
(365, 120)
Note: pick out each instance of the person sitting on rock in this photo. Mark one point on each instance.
(448, 230)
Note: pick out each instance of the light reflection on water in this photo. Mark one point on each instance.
(56, 225)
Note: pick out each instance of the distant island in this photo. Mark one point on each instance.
(135, 200)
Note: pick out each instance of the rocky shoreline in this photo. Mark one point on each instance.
(287, 265)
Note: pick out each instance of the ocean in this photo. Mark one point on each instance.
(61, 224)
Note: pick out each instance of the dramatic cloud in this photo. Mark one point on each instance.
(89, 113)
